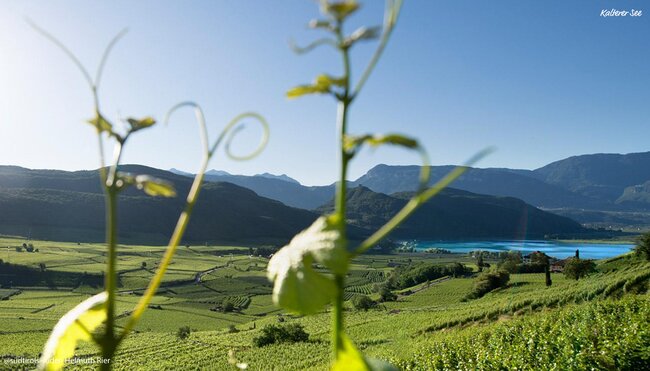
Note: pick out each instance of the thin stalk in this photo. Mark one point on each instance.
(337, 317)
(102, 163)
(174, 241)
(111, 277)
(342, 119)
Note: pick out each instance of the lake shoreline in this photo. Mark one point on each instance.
(556, 248)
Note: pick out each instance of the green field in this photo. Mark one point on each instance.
(430, 326)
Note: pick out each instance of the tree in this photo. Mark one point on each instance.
(642, 248)
(480, 262)
(576, 268)
(386, 295)
(510, 261)
(547, 272)
(363, 302)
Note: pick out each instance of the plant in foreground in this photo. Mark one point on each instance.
(84, 321)
(299, 287)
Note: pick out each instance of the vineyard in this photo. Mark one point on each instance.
(600, 321)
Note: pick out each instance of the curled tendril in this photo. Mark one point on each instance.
(228, 133)
(233, 128)
(200, 119)
(313, 45)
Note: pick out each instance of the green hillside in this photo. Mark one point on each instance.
(601, 321)
(455, 214)
(68, 206)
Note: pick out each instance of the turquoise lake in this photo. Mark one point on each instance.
(552, 248)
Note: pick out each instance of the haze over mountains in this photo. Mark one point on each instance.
(485, 203)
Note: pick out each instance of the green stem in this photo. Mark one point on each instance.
(111, 276)
(175, 240)
(341, 188)
(337, 316)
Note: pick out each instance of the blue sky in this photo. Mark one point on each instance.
(540, 80)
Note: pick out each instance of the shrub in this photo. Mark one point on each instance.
(274, 334)
(227, 305)
(488, 281)
(232, 329)
(363, 302)
(183, 332)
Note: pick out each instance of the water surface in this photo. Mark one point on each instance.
(556, 249)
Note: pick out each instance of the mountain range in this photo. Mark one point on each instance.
(61, 205)
(588, 187)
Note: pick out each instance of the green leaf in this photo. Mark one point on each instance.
(74, 326)
(321, 85)
(297, 285)
(140, 124)
(394, 139)
(101, 124)
(301, 90)
(339, 9)
(351, 143)
(154, 186)
(349, 358)
(327, 80)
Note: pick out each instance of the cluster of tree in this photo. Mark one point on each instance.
(493, 255)
(488, 281)
(437, 250)
(286, 333)
(642, 248)
(22, 275)
(363, 302)
(407, 276)
(29, 247)
(264, 252)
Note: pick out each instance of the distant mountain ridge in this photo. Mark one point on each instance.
(602, 176)
(70, 205)
(455, 214)
(278, 187)
(61, 205)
